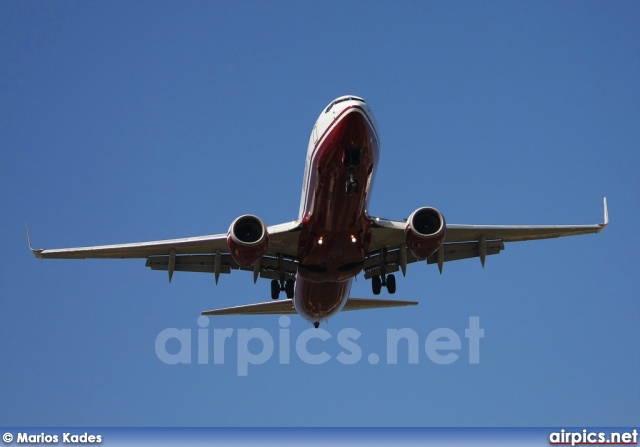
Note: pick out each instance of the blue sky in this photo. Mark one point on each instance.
(132, 121)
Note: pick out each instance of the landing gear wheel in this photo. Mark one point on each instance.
(275, 289)
(391, 284)
(376, 285)
(289, 288)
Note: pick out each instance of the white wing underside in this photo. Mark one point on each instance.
(282, 239)
(387, 251)
(206, 254)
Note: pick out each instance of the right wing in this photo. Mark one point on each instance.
(190, 245)
(195, 254)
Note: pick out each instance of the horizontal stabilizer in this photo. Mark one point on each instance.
(369, 303)
(286, 307)
(268, 307)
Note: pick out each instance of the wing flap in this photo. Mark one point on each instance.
(270, 267)
(191, 263)
(466, 250)
(450, 251)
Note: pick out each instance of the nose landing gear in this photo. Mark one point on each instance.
(351, 160)
(352, 185)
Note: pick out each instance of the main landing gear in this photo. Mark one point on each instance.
(388, 281)
(286, 286)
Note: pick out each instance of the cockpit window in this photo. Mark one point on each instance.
(344, 98)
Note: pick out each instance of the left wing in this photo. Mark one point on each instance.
(196, 254)
(388, 252)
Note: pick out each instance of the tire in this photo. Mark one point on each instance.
(289, 288)
(275, 289)
(376, 285)
(391, 284)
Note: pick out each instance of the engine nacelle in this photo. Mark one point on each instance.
(247, 240)
(425, 232)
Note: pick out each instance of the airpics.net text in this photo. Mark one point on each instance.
(256, 346)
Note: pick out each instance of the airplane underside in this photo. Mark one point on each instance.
(314, 259)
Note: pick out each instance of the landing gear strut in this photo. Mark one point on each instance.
(352, 185)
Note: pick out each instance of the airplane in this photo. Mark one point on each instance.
(315, 258)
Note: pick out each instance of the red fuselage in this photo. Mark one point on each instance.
(341, 162)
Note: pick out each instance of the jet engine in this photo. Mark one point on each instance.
(425, 232)
(247, 240)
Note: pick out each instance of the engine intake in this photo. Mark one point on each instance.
(425, 232)
(247, 240)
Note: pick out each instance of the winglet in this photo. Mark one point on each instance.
(36, 253)
(606, 215)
